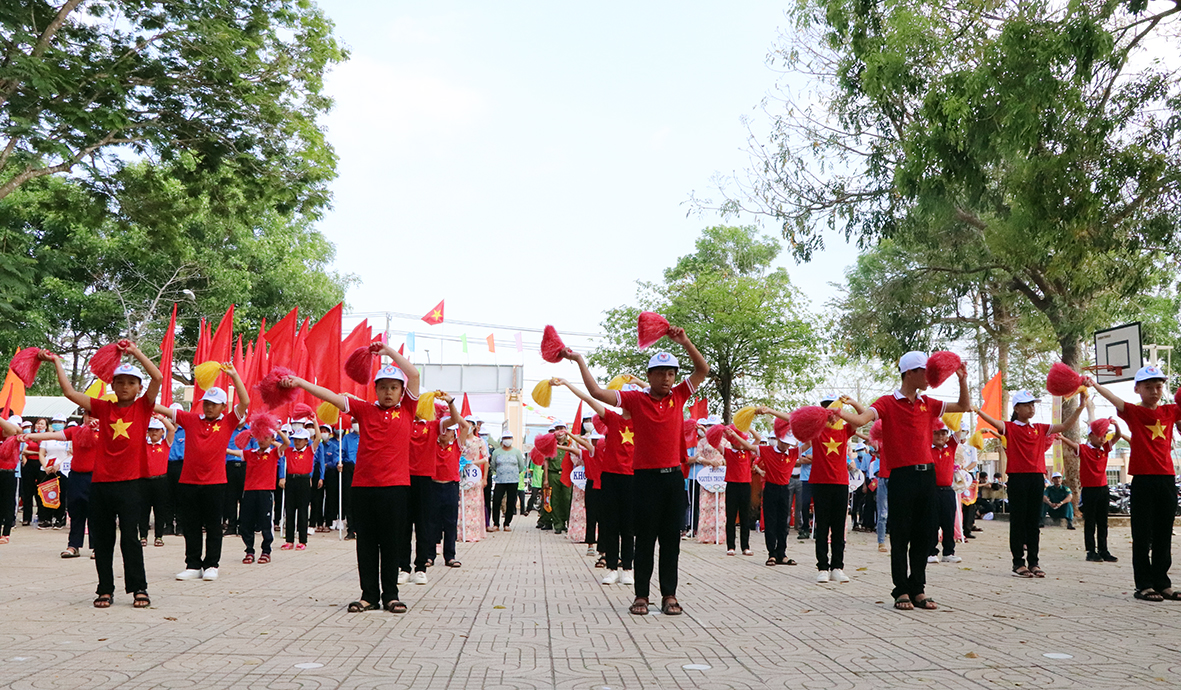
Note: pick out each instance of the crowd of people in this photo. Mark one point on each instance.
(406, 485)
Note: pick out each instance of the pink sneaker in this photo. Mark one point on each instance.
(301, 547)
(287, 546)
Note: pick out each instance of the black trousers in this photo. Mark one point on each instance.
(1095, 504)
(693, 510)
(804, 509)
(832, 507)
(1153, 505)
(331, 495)
(616, 536)
(379, 519)
(945, 507)
(911, 506)
(506, 493)
(200, 509)
(111, 504)
(855, 510)
(346, 496)
(969, 516)
(521, 500)
(738, 509)
(316, 517)
(591, 498)
(155, 498)
(8, 490)
(446, 522)
(422, 493)
(79, 508)
(235, 485)
(173, 523)
(776, 513)
(296, 499)
(1026, 490)
(534, 499)
(255, 516)
(31, 476)
(488, 503)
(659, 511)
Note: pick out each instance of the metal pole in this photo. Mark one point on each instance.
(340, 480)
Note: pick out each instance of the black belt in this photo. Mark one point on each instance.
(925, 467)
(659, 470)
(7, 471)
(299, 476)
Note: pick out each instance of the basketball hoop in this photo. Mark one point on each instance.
(1118, 371)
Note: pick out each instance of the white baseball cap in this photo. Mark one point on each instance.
(1056, 474)
(1150, 373)
(154, 423)
(453, 426)
(176, 406)
(663, 359)
(59, 418)
(912, 360)
(216, 396)
(128, 370)
(300, 433)
(472, 419)
(286, 428)
(631, 387)
(1022, 397)
(390, 371)
(712, 420)
(17, 420)
(507, 434)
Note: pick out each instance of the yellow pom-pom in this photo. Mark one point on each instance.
(616, 383)
(543, 393)
(743, 419)
(328, 413)
(952, 420)
(426, 406)
(205, 374)
(977, 440)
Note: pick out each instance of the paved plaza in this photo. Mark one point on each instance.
(525, 611)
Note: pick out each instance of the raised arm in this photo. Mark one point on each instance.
(156, 379)
(1070, 444)
(411, 372)
(8, 428)
(1112, 398)
(596, 391)
(169, 425)
(63, 380)
(453, 413)
(242, 397)
(763, 409)
(1072, 421)
(964, 404)
(1119, 433)
(997, 424)
(700, 366)
(317, 391)
(861, 414)
(581, 395)
(737, 440)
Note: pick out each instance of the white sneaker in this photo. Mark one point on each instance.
(403, 577)
(590, 551)
(626, 578)
(610, 578)
(189, 574)
(952, 559)
(839, 575)
(209, 575)
(419, 577)
(822, 576)
(932, 559)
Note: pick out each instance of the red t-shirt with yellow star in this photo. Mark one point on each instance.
(659, 425)
(619, 444)
(1152, 437)
(424, 439)
(122, 453)
(158, 458)
(383, 453)
(777, 466)
(738, 465)
(206, 441)
(1025, 445)
(830, 453)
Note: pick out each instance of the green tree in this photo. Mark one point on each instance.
(744, 315)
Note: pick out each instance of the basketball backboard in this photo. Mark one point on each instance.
(1118, 347)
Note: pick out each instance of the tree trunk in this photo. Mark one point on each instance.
(1070, 461)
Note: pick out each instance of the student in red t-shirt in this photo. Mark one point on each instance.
(776, 461)
(943, 447)
(299, 462)
(829, 486)
(658, 416)
(424, 440)
(8, 483)
(1154, 494)
(381, 479)
(1096, 499)
(1025, 447)
(739, 455)
(161, 431)
(448, 450)
(120, 467)
(907, 416)
(201, 493)
(258, 494)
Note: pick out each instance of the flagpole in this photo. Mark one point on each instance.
(340, 480)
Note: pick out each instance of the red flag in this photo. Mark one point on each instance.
(323, 346)
(200, 355)
(576, 427)
(282, 340)
(699, 409)
(13, 393)
(402, 349)
(567, 468)
(257, 368)
(992, 395)
(303, 366)
(435, 316)
(358, 337)
(221, 345)
(166, 350)
(239, 362)
(370, 391)
(466, 410)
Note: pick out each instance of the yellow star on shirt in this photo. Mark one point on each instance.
(217, 427)
(626, 436)
(1158, 430)
(831, 446)
(119, 428)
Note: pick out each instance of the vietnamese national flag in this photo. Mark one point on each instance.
(323, 346)
(992, 395)
(435, 316)
(166, 350)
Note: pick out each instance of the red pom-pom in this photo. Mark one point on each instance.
(536, 456)
(600, 425)
(552, 346)
(875, 432)
(715, 434)
(103, 363)
(25, 365)
(10, 450)
(85, 439)
(242, 440)
(1100, 427)
(689, 428)
(941, 365)
(546, 444)
(1062, 380)
(303, 411)
(262, 424)
(808, 422)
(782, 428)
(650, 328)
(272, 394)
(359, 365)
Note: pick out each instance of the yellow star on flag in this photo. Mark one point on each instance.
(437, 315)
(1158, 430)
(119, 428)
(627, 436)
(831, 446)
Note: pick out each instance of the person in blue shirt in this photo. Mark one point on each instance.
(176, 457)
(804, 505)
(320, 520)
(330, 452)
(348, 453)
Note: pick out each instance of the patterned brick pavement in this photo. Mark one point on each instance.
(525, 611)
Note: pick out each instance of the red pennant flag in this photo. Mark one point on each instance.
(257, 368)
(992, 395)
(303, 366)
(239, 361)
(576, 427)
(699, 409)
(323, 346)
(166, 350)
(402, 349)
(201, 355)
(220, 346)
(435, 316)
(567, 468)
(281, 338)
(358, 337)
(466, 410)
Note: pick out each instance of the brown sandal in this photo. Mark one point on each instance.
(1022, 572)
(70, 552)
(103, 601)
(670, 607)
(639, 607)
(903, 603)
(925, 603)
(1037, 572)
